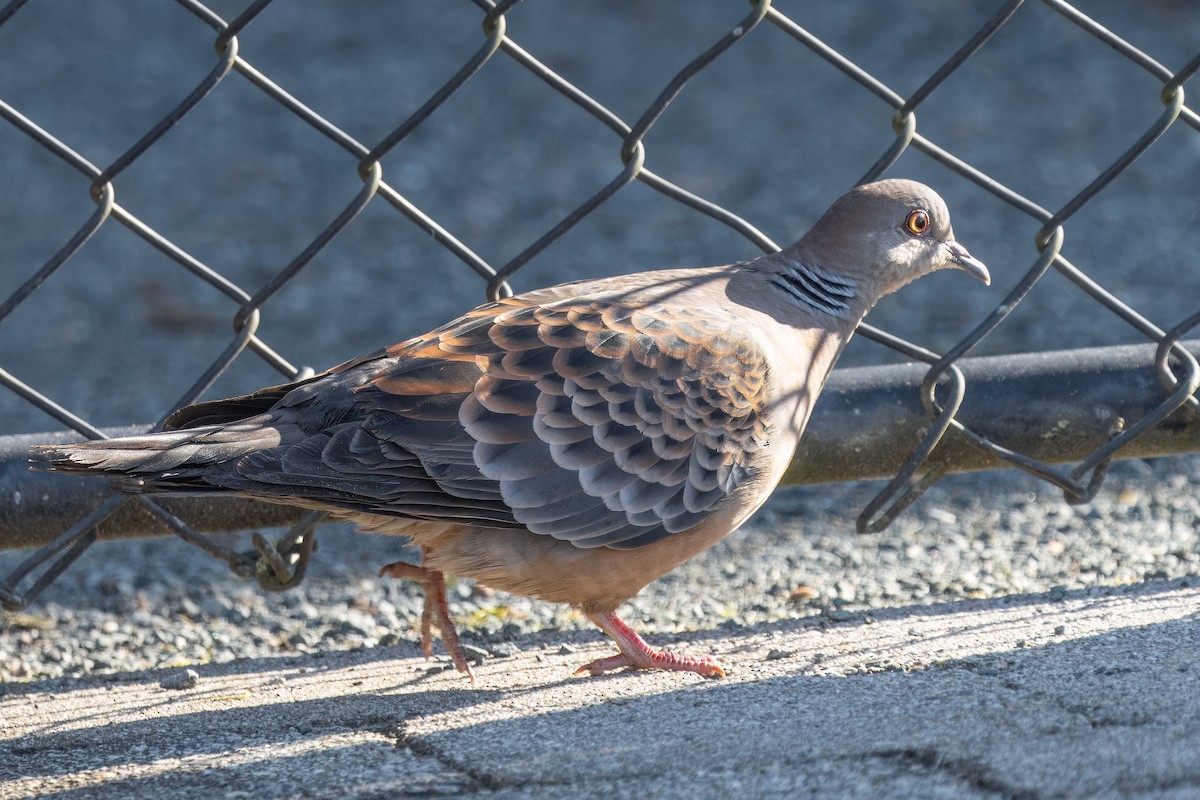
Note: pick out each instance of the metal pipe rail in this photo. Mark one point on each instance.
(1055, 406)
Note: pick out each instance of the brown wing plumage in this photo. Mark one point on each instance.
(598, 423)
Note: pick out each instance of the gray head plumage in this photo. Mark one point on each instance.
(888, 232)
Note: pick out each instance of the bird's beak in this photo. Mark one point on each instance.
(968, 263)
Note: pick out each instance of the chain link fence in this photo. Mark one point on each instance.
(395, 153)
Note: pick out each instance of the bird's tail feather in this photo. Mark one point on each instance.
(169, 458)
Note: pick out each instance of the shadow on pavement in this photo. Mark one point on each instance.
(1070, 694)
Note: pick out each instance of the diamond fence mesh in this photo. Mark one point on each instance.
(476, 162)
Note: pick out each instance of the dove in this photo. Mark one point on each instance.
(572, 443)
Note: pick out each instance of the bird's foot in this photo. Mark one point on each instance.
(635, 653)
(434, 610)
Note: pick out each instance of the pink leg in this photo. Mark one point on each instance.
(635, 653)
(435, 609)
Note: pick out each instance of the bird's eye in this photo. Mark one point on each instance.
(917, 222)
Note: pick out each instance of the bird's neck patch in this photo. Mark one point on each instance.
(815, 289)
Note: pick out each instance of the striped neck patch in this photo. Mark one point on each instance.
(816, 289)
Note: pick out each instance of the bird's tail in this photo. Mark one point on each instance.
(170, 459)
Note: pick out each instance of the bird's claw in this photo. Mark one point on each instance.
(434, 610)
(706, 666)
(636, 654)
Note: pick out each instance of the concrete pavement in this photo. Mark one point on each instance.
(1068, 694)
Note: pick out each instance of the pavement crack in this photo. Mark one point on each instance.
(1134, 787)
(968, 771)
(1098, 717)
(479, 778)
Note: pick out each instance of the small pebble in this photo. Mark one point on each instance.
(503, 650)
(476, 654)
(942, 516)
(565, 649)
(185, 679)
(802, 593)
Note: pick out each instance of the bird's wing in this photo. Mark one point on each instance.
(598, 423)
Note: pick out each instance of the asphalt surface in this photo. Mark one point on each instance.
(994, 642)
(1076, 694)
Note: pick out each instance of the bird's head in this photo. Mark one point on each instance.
(891, 232)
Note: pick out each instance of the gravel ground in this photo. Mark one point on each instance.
(149, 604)
(120, 332)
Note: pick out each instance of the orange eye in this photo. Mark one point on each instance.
(917, 222)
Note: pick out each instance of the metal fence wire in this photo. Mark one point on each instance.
(942, 389)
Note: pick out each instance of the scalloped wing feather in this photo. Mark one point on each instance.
(597, 423)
